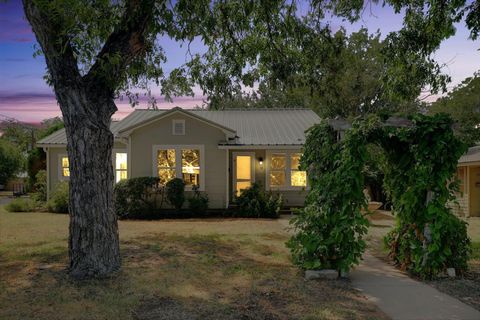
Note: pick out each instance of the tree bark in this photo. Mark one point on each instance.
(94, 242)
(87, 104)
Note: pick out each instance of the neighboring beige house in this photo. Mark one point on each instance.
(223, 152)
(468, 172)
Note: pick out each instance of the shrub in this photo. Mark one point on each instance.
(11, 161)
(58, 201)
(138, 197)
(254, 202)
(175, 191)
(21, 205)
(40, 186)
(198, 204)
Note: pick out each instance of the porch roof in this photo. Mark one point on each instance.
(472, 155)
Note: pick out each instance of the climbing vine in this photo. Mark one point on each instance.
(421, 159)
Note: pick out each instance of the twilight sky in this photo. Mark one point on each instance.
(25, 96)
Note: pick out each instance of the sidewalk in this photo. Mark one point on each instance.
(401, 297)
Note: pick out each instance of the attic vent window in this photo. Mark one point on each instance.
(178, 127)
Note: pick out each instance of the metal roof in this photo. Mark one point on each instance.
(472, 155)
(252, 126)
(59, 137)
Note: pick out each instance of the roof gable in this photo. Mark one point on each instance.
(127, 127)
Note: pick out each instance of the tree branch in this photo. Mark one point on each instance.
(126, 42)
(55, 45)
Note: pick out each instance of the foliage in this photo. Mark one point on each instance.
(40, 194)
(36, 161)
(175, 193)
(421, 163)
(463, 105)
(337, 75)
(330, 229)
(198, 203)
(11, 161)
(138, 197)
(59, 198)
(254, 202)
(21, 205)
(420, 159)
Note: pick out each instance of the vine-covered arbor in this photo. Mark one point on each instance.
(421, 155)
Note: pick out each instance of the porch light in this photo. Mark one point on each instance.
(260, 160)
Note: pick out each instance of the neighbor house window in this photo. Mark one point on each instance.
(65, 168)
(461, 172)
(120, 166)
(284, 172)
(183, 162)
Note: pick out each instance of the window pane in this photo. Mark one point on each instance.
(191, 158)
(277, 178)
(244, 167)
(295, 161)
(191, 167)
(461, 177)
(299, 179)
(166, 158)
(66, 172)
(65, 162)
(120, 175)
(278, 161)
(166, 175)
(121, 161)
(242, 185)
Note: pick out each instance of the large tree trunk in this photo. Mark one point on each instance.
(93, 243)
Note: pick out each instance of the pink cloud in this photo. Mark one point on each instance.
(34, 107)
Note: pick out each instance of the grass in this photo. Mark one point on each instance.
(189, 269)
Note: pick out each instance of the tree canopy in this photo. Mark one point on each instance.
(463, 104)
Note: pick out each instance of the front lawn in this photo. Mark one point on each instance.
(189, 269)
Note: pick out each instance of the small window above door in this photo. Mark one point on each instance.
(178, 127)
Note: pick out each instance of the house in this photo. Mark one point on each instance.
(468, 173)
(223, 152)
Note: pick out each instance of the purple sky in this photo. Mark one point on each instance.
(25, 96)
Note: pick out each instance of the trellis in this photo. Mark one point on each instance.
(421, 158)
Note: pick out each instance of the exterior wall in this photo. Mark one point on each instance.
(53, 163)
(214, 168)
(53, 166)
(291, 198)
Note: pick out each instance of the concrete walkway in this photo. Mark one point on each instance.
(401, 297)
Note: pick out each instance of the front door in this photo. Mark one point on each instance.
(474, 191)
(243, 173)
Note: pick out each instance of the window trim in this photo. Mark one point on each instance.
(174, 122)
(114, 164)
(60, 167)
(178, 161)
(288, 171)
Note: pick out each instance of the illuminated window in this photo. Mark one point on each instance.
(65, 169)
(180, 161)
(298, 178)
(120, 166)
(166, 165)
(284, 172)
(278, 165)
(191, 167)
